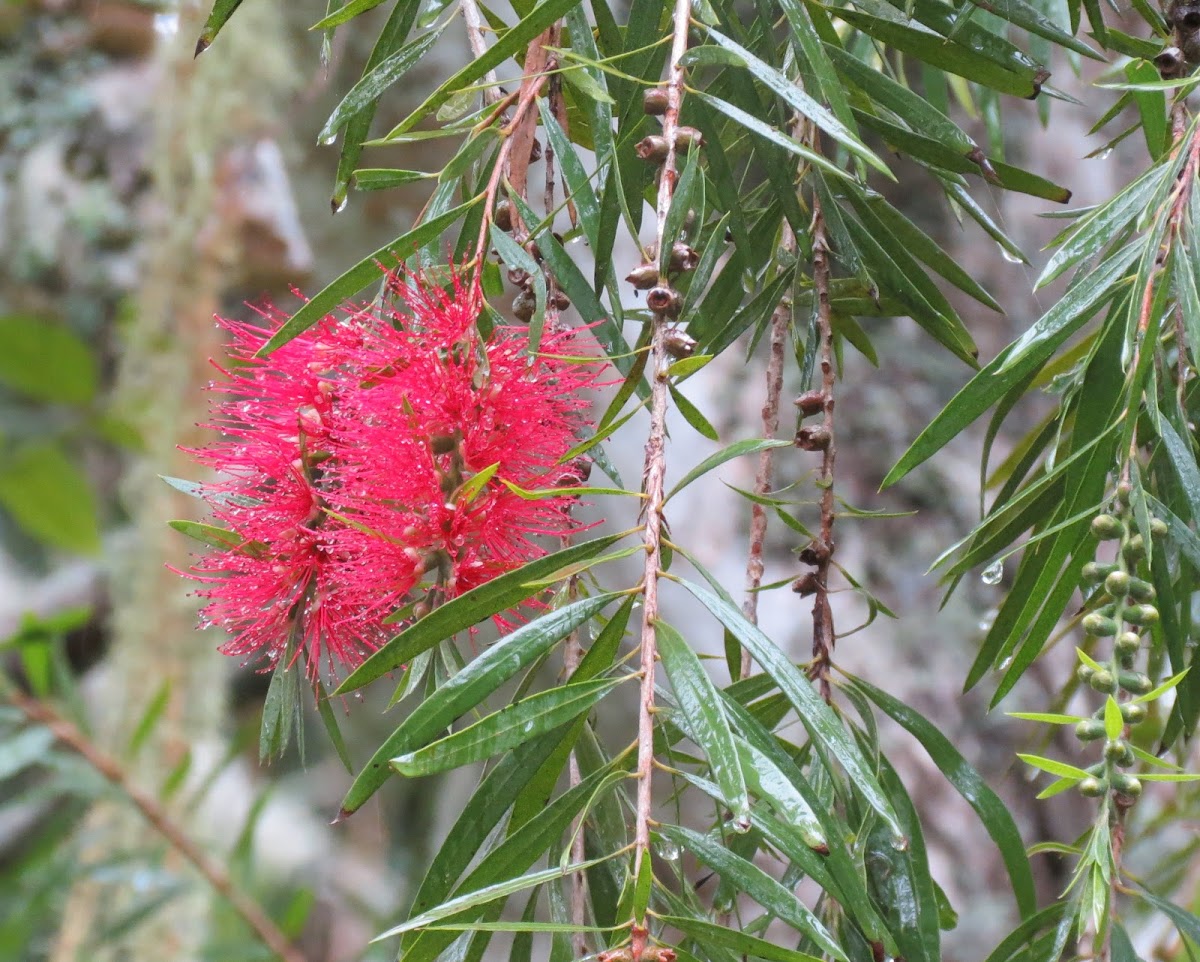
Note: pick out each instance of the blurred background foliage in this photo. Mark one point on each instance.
(141, 191)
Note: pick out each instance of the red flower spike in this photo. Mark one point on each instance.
(345, 465)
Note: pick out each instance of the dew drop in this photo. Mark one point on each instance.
(1104, 154)
(327, 141)
(668, 850)
(993, 573)
(1009, 255)
(1005, 663)
(341, 205)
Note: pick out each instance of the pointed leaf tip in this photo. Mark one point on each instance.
(201, 45)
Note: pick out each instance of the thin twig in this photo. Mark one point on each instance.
(762, 476)
(823, 546)
(654, 475)
(475, 27)
(69, 735)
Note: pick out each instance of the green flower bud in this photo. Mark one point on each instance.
(1097, 624)
(1084, 673)
(1127, 659)
(1124, 492)
(1141, 590)
(1102, 680)
(1105, 527)
(1093, 787)
(1117, 584)
(1134, 549)
(1115, 750)
(1158, 528)
(1133, 681)
(1089, 730)
(1128, 643)
(1133, 712)
(1141, 615)
(1126, 785)
(1094, 572)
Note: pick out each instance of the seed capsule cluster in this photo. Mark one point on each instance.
(1125, 611)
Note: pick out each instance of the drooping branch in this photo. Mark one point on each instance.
(654, 472)
(821, 438)
(69, 735)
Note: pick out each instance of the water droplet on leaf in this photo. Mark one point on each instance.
(993, 573)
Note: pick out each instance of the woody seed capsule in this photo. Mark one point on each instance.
(678, 344)
(810, 402)
(654, 101)
(652, 149)
(664, 300)
(643, 277)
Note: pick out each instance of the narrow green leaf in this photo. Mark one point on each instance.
(708, 933)
(221, 11)
(350, 10)
(802, 102)
(993, 813)
(376, 81)
(1113, 722)
(468, 609)
(705, 719)
(490, 893)
(818, 719)
(468, 688)
(362, 275)
(514, 40)
(735, 450)
(749, 879)
(505, 729)
(1062, 769)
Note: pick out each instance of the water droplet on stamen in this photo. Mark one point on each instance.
(993, 573)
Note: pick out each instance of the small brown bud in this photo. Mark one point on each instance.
(535, 152)
(502, 216)
(664, 300)
(685, 137)
(523, 305)
(652, 149)
(807, 584)
(813, 439)
(654, 101)
(678, 344)
(810, 402)
(643, 277)
(816, 554)
(683, 257)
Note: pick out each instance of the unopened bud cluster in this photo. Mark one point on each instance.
(1123, 609)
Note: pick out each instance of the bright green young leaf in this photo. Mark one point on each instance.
(46, 361)
(50, 498)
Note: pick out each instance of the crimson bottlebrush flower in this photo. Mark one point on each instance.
(364, 464)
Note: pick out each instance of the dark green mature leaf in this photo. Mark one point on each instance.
(938, 52)
(749, 879)
(802, 102)
(468, 609)
(703, 716)
(1015, 363)
(514, 40)
(361, 275)
(46, 361)
(469, 688)
(1187, 923)
(993, 813)
(348, 11)
(709, 933)
(375, 82)
(505, 729)
(50, 498)
(818, 719)
(222, 10)
(1029, 18)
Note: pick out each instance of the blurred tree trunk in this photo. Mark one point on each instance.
(205, 113)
